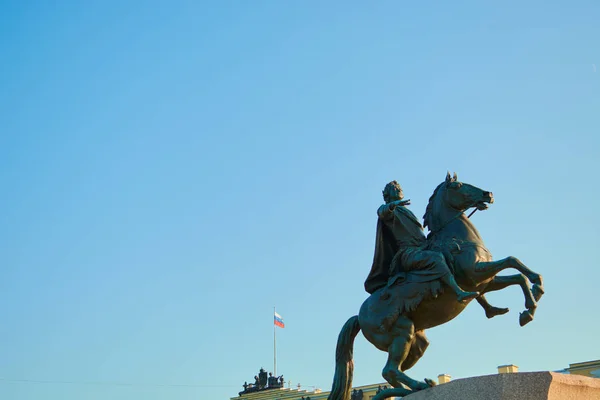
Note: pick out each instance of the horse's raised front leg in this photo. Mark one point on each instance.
(486, 270)
(500, 282)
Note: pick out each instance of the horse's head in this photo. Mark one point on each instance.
(462, 196)
(457, 196)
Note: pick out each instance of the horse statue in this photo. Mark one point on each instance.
(394, 318)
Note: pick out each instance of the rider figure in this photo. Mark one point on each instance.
(401, 247)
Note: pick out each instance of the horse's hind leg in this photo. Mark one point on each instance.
(398, 351)
(500, 282)
(417, 349)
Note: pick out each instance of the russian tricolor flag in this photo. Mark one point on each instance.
(279, 321)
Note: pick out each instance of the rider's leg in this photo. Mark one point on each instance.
(448, 278)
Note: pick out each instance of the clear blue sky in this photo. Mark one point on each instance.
(172, 170)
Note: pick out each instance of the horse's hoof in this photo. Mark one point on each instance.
(426, 384)
(525, 317)
(537, 292)
(430, 382)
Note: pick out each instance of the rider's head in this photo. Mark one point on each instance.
(392, 192)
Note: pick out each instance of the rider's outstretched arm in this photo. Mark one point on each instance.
(386, 211)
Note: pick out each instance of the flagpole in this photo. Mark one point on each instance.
(274, 346)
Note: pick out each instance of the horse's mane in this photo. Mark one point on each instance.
(427, 218)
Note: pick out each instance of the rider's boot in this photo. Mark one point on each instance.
(461, 294)
(464, 296)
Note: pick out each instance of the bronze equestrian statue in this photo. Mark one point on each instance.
(410, 276)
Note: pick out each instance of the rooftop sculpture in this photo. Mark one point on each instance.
(263, 381)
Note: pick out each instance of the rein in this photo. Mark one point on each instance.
(445, 224)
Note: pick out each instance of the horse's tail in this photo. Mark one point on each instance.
(344, 365)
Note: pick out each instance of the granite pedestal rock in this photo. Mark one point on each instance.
(516, 386)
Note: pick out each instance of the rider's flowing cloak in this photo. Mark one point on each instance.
(384, 253)
(420, 266)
